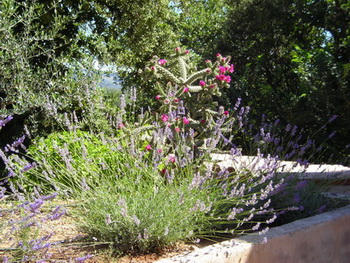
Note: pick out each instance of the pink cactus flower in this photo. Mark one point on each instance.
(223, 78)
(218, 55)
(185, 120)
(162, 62)
(165, 117)
(222, 69)
(172, 158)
(202, 83)
(148, 147)
(231, 68)
(220, 77)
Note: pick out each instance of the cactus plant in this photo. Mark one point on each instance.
(191, 93)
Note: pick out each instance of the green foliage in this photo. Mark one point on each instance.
(291, 60)
(43, 95)
(72, 159)
(200, 24)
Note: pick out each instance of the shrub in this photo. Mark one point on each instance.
(70, 159)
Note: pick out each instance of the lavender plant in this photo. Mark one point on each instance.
(25, 216)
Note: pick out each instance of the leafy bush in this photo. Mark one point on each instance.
(42, 89)
(70, 159)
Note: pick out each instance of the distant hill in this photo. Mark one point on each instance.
(110, 81)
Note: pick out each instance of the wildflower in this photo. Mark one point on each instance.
(176, 100)
(185, 120)
(226, 113)
(231, 68)
(172, 158)
(136, 220)
(121, 126)
(158, 97)
(82, 259)
(321, 209)
(108, 219)
(218, 55)
(165, 117)
(222, 69)
(331, 135)
(332, 118)
(301, 185)
(148, 147)
(187, 51)
(297, 198)
(28, 167)
(162, 62)
(177, 129)
(186, 89)
(159, 150)
(4, 121)
(202, 83)
(223, 78)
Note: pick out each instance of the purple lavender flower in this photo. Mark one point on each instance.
(321, 209)
(333, 118)
(13, 147)
(297, 198)
(332, 135)
(36, 205)
(5, 121)
(82, 259)
(28, 167)
(301, 185)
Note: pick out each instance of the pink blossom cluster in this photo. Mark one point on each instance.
(162, 62)
(222, 77)
(230, 68)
